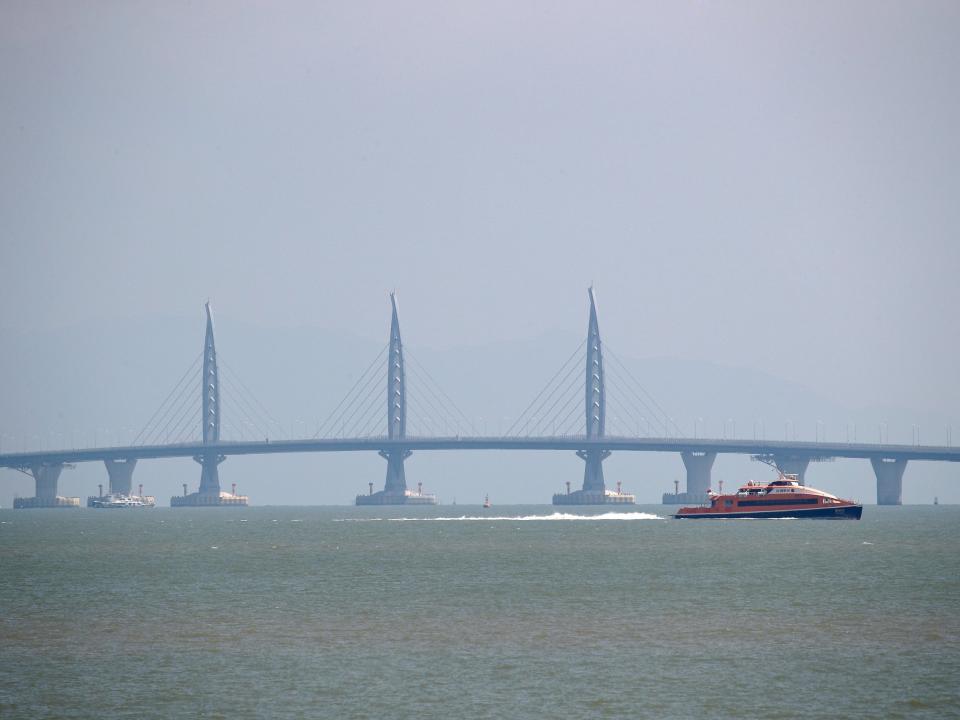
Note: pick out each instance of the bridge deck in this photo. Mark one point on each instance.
(571, 443)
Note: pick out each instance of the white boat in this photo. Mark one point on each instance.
(113, 501)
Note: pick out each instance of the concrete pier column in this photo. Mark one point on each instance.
(593, 470)
(889, 472)
(46, 477)
(698, 464)
(209, 474)
(793, 466)
(396, 481)
(121, 475)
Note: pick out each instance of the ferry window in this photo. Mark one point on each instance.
(728, 503)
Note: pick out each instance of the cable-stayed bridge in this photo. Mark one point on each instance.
(572, 412)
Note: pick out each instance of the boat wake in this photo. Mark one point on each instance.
(516, 518)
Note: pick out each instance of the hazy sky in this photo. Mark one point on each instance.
(765, 185)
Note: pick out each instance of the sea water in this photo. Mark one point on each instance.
(459, 612)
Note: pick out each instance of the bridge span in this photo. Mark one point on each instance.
(775, 449)
(578, 413)
(791, 456)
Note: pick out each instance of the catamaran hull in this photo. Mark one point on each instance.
(847, 512)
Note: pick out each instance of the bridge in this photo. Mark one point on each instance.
(587, 436)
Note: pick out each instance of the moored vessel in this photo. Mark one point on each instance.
(783, 498)
(119, 500)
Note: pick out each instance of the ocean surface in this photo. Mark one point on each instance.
(458, 612)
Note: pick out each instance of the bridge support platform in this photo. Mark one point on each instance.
(698, 465)
(395, 490)
(210, 494)
(408, 497)
(889, 472)
(46, 478)
(594, 491)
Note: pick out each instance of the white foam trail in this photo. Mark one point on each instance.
(358, 519)
(516, 518)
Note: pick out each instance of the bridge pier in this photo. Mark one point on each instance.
(889, 472)
(396, 480)
(46, 477)
(789, 465)
(593, 470)
(698, 464)
(594, 491)
(395, 486)
(209, 494)
(120, 473)
(209, 474)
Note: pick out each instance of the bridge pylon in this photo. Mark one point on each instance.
(594, 491)
(395, 490)
(209, 494)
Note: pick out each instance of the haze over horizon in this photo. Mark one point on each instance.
(767, 190)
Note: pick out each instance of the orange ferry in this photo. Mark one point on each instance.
(783, 498)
